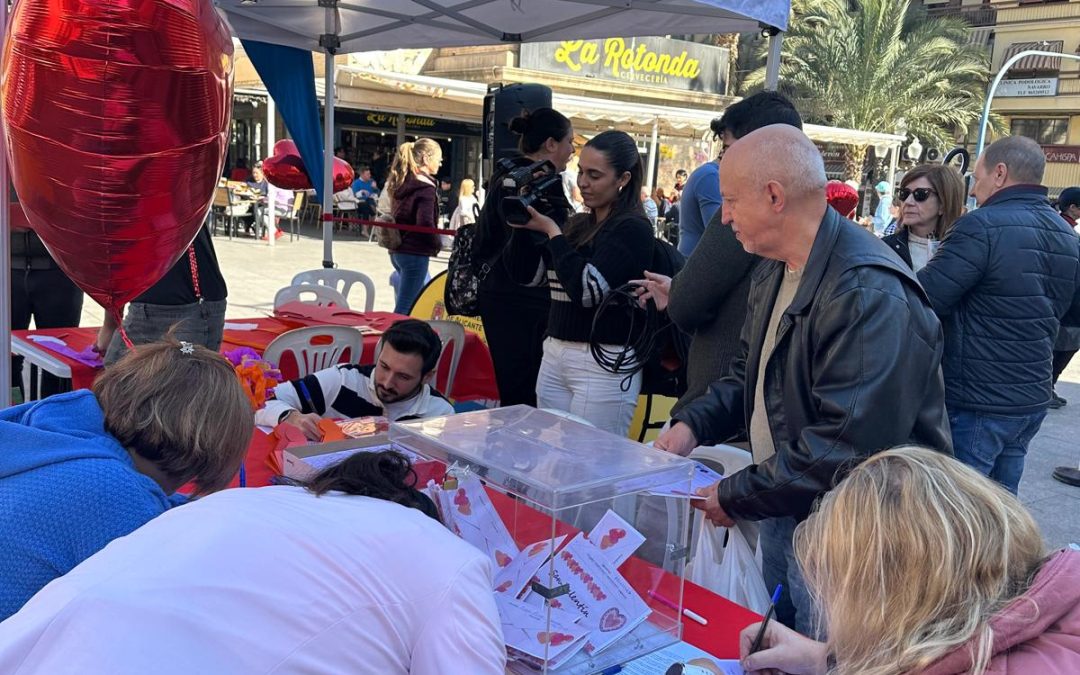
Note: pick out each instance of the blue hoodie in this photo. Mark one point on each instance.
(67, 488)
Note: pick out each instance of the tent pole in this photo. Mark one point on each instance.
(270, 212)
(772, 66)
(328, 162)
(894, 156)
(5, 251)
(650, 177)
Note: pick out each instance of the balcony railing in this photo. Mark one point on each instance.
(974, 16)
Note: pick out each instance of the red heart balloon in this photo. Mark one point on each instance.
(286, 169)
(117, 115)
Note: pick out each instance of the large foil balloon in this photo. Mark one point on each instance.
(286, 170)
(117, 115)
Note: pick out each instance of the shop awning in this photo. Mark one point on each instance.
(672, 120)
(1035, 62)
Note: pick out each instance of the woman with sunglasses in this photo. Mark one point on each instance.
(931, 198)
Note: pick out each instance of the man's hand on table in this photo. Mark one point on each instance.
(782, 651)
(309, 424)
(678, 440)
(711, 506)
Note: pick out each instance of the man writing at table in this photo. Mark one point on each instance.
(839, 356)
(397, 386)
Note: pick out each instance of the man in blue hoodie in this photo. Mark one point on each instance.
(78, 470)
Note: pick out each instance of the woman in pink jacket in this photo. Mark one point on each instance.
(918, 564)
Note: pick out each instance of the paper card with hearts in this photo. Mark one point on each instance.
(477, 522)
(616, 538)
(515, 577)
(528, 630)
(610, 608)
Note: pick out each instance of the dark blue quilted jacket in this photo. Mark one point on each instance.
(1001, 282)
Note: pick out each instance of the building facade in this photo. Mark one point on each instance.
(1039, 96)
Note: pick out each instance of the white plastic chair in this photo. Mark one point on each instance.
(324, 296)
(726, 459)
(450, 333)
(341, 281)
(311, 357)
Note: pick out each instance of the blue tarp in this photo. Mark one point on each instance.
(289, 76)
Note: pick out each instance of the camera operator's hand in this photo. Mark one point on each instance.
(655, 287)
(540, 223)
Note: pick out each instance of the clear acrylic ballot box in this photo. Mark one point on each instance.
(587, 531)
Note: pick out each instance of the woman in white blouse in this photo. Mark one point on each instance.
(930, 198)
(353, 574)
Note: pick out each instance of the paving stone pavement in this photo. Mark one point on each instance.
(254, 271)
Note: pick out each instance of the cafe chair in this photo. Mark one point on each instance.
(323, 296)
(341, 281)
(226, 209)
(316, 348)
(452, 336)
(294, 215)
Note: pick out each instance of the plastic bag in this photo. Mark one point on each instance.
(733, 571)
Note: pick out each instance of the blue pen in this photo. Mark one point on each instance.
(768, 615)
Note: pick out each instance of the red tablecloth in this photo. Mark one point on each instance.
(475, 378)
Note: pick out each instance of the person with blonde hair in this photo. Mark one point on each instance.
(80, 469)
(930, 198)
(411, 185)
(919, 564)
(468, 208)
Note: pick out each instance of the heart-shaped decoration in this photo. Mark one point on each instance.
(117, 117)
(553, 639)
(501, 559)
(504, 586)
(285, 169)
(612, 620)
(461, 500)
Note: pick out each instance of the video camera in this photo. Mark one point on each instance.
(538, 185)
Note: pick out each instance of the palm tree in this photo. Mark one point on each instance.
(870, 65)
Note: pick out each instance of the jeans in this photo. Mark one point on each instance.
(571, 380)
(779, 566)
(198, 323)
(412, 271)
(994, 444)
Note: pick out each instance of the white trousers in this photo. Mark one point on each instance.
(571, 380)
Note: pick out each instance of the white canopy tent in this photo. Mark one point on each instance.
(336, 26)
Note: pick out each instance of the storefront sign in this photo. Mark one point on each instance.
(1062, 154)
(1042, 86)
(650, 61)
(835, 156)
(414, 124)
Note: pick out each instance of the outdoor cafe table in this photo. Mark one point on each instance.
(725, 619)
(475, 378)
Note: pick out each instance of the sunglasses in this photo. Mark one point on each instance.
(921, 194)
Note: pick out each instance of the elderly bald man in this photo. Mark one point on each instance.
(840, 353)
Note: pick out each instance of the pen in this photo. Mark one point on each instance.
(768, 615)
(693, 616)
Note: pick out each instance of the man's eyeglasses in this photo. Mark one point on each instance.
(921, 194)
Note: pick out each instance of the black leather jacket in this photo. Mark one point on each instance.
(856, 369)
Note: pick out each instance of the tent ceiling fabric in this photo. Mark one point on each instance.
(367, 25)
